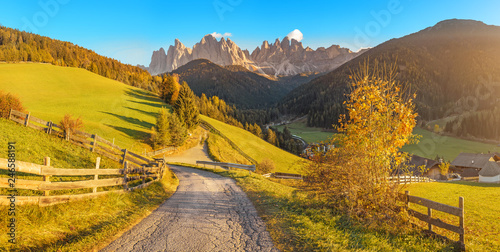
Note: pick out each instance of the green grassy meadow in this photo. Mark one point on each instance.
(431, 144)
(259, 149)
(482, 208)
(219, 149)
(108, 108)
(309, 134)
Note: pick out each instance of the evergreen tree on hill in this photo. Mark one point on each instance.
(185, 107)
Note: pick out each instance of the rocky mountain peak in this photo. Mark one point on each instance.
(285, 57)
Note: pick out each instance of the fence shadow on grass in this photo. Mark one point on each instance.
(142, 95)
(135, 134)
(131, 120)
(152, 114)
(150, 104)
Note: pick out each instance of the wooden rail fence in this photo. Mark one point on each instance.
(126, 175)
(86, 140)
(283, 175)
(432, 205)
(225, 165)
(408, 179)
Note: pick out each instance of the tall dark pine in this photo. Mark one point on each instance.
(185, 107)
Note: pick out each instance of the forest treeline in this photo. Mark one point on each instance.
(20, 46)
(476, 124)
(445, 65)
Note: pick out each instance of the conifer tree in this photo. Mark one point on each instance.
(178, 132)
(185, 107)
(161, 131)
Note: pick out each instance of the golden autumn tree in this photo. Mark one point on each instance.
(379, 121)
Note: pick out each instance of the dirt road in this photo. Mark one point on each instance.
(198, 153)
(207, 213)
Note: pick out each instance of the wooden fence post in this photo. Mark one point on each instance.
(49, 130)
(46, 178)
(125, 176)
(27, 120)
(96, 177)
(462, 226)
(429, 213)
(10, 114)
(94, 144)
(144, 174)
(407, 199)
(124, 156)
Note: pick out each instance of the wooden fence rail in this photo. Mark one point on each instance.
(221, 164)
(432, 205)
(126, 175)
(283, 175)
(408, 179)
(93, 142)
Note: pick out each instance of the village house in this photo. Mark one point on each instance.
(490, 173)
(414, 165)
(470, 164)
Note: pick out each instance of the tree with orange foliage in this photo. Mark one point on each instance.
(379, 122)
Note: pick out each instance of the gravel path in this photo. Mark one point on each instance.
(198, 153)
(207, 213)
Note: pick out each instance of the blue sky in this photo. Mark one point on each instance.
(130, 30)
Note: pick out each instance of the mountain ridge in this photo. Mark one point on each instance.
(236, 84)
(285, 57)
(444, 64)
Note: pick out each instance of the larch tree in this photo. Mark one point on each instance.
(379, 122)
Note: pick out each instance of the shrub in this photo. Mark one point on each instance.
(266, 166)
(379, 121)
(444, 168)
(9, 101)
(70, 125)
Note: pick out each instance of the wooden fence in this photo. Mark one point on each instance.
(225, 165)
(409, 179)
(432, 205)
(89, 141)
(126, 175)
(209, 127)
(283, 175)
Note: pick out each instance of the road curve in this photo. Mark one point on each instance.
(207, 213)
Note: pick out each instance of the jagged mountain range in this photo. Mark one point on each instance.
(286, 57)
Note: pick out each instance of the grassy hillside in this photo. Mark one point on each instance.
(309, 134)
(482, 221)
(432, 144)
(33, 145)
(80, 225)
(108, 108)
(259, 149)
